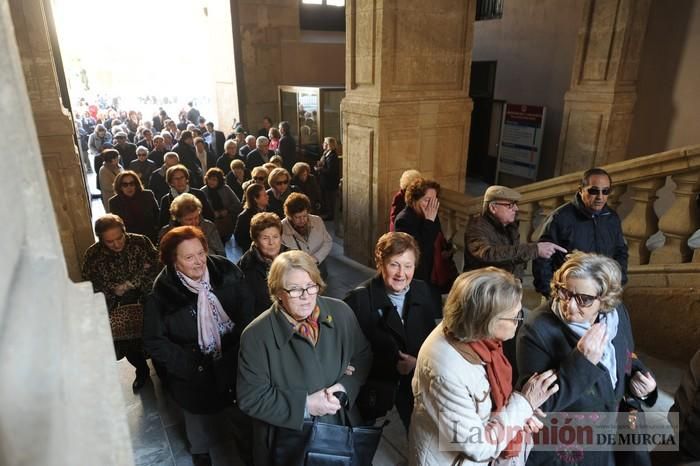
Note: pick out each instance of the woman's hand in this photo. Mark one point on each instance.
(405, 364)
(431, 211)
(534, 424)
(321, 403)
(539, 388)
(350, 369)
(592, 343)
(642, 384)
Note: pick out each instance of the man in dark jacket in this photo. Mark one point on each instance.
(260, 155)
(178, 179)
(288, 147)
(215, 138)
(493, 238)
(585, 224)
(127, 150)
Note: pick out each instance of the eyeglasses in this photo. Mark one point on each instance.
(509, 205)
(582, 300)
(594, 191)
(280, 183)
(259, 178)
(126, 184)
(517, 319)
(298, 292)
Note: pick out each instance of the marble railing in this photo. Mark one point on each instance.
(636, 186)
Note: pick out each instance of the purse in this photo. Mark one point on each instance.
(323, 444)
(126, 322)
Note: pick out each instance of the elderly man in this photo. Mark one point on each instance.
(493, 238)
(247, 147)
(159, 150)
(585, 224)
(157, 182)
(260, 155)
(126, 149)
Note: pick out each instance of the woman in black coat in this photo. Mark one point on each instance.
(584, 334)
(135, 205)
(188, 157)
(420, 219)
(192, 325)
(396, 314)
(256, 200)
(328, 170)
(266, 233)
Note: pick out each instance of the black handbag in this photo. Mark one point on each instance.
(324, 444)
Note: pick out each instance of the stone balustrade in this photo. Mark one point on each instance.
(636, 185)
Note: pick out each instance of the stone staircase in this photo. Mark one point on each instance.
(656, 197)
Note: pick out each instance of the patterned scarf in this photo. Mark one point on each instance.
(307, 328)
(212, 320)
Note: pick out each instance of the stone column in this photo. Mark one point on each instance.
(60, 397)
(599, 106)
(61, 162)
(407, 105)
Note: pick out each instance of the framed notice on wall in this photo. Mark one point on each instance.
(521, 140)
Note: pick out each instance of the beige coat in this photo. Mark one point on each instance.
(319, 242)
(453, 395)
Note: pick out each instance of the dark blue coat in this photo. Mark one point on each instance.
(574, 227)
(545, 342)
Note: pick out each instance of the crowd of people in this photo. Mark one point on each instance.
(253, 351)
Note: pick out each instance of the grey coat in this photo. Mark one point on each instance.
(278, 368)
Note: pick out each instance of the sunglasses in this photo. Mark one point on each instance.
(280, 183)
(593, 191)
(259, 178)
(126, 184)
(582, 300)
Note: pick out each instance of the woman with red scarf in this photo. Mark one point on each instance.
(465, 409)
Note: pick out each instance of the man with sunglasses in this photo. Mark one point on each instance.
(493, 238)
(585, 224)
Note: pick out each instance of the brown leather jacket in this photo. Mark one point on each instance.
(488, 243)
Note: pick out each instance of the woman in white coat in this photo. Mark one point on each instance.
(465, 409)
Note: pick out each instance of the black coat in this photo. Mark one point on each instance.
(242, 230)
(288, 151)
(127, 153)
(574, 227)
(198, 383)
(142, 217)
(329, 171)
(188, 158)
(165, 201)
(157, 157)
(255, 271)
(217, 141)
(158, 185)
(255, 159)
(545, 342)
(425, 232)
(233, 183)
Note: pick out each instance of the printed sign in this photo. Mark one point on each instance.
(521, 140)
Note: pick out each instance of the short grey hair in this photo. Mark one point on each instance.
(140, 149)
(229, 143)
(249, 138)
(476, 301)
(603, 270)
(284, 263)
(262, 141)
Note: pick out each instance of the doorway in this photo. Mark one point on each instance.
(482, 155)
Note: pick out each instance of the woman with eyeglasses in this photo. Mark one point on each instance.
(256, 201)
(280, 189)
(303, 357)
(462, 383)
(584, 334)
(136, 206)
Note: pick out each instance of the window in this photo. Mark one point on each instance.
(489, 9)
(322, 15)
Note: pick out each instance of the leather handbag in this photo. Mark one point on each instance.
(324, 444)
(126, 322)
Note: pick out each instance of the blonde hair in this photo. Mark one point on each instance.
(604, 271)
(184, 204)
(276, 174)
(477, 299)
(407, 177)
(284, 263)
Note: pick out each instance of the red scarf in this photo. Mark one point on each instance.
(500, 377)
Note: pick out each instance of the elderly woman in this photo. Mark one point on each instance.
(328, 169)
(266, 233)
(396, 314)
(107, 174)
(295, 357)
(188, 157)
(122, 266)
(192, 325)
(142, 165)
(236, 178)
(398, 203)
(462, 383)
(584, 334)
(136, 206)
(420, 219)
(223, 200)
(178, 178)
(256, 201)
(280, 189)
(186, 210)
(257, 176)
(307, 184)
(230, 154)
(304, 231)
